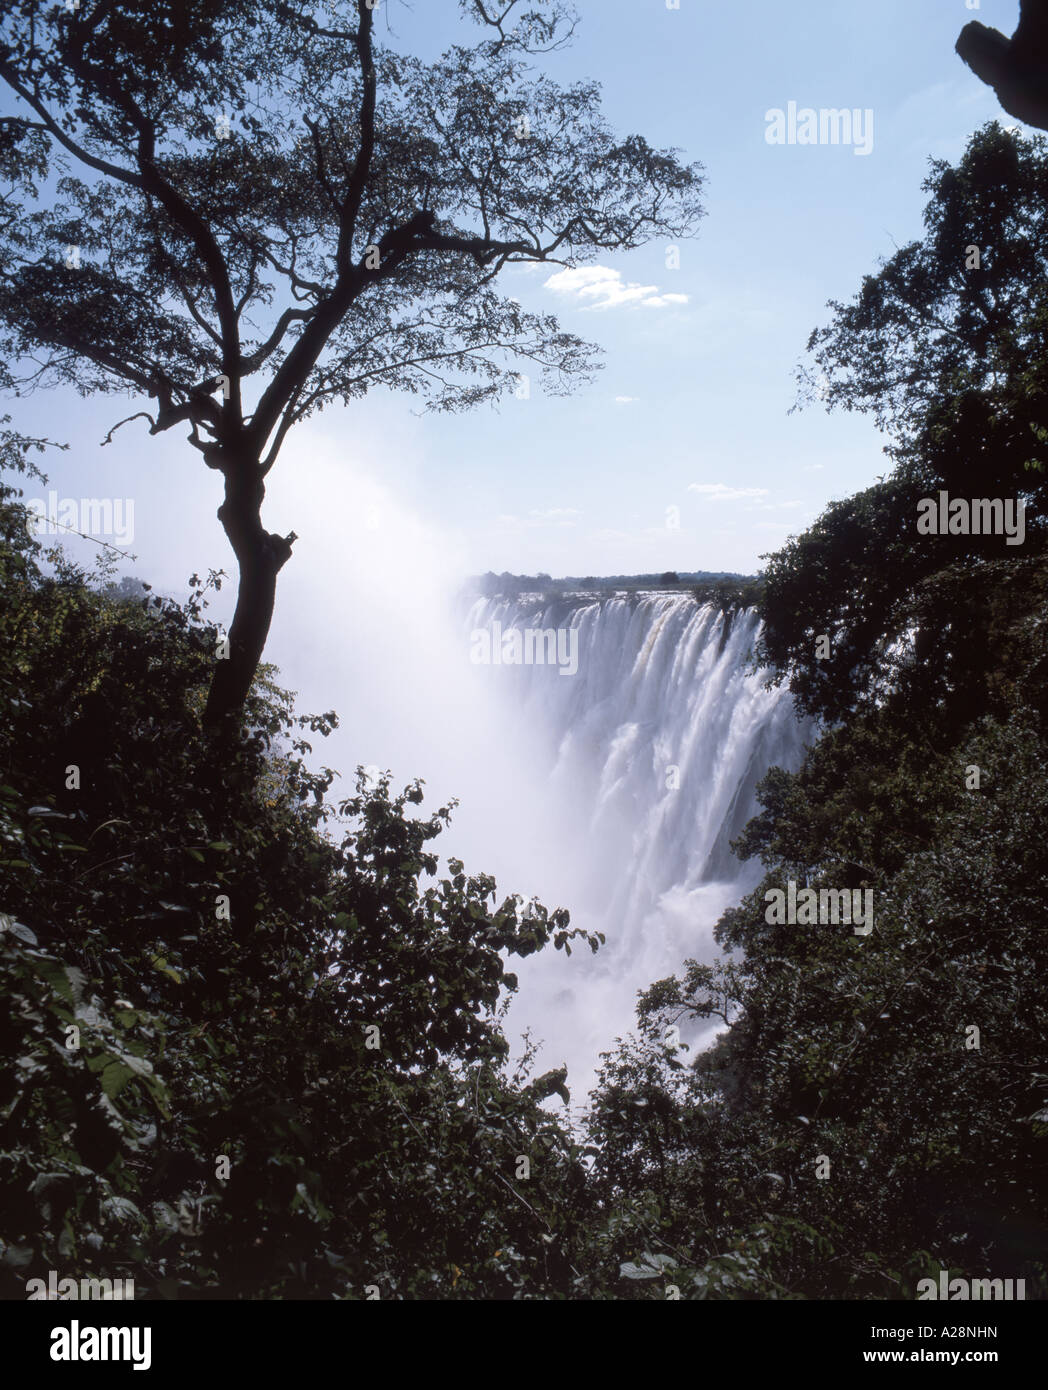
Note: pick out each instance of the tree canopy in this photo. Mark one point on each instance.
(244, 212)
(945, 346)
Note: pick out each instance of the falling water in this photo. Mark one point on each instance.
(649, 755)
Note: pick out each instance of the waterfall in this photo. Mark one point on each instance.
(649, 755)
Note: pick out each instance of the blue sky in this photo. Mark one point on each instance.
(690, 411)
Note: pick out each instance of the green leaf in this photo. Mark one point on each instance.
(115, 1077)
(22, 932)
(160, 963)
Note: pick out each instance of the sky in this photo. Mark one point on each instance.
(682, 455)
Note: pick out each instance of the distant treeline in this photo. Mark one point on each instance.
(730, 590)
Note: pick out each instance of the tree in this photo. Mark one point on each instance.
(960, 316)
(215, 221)
(947, 348)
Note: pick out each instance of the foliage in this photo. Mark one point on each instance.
(245, 1034)
(873, 1109)
(950, 357)
(858, 1049)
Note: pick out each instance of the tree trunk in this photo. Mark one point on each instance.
(260, 557)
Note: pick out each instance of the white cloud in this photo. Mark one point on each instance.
(626, 400)
(720, 492)
(814, 467)
(600, 287)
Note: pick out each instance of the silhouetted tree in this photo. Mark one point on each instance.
(248, 209)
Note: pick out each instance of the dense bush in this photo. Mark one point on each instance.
(204, 960)
(859, 1049)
